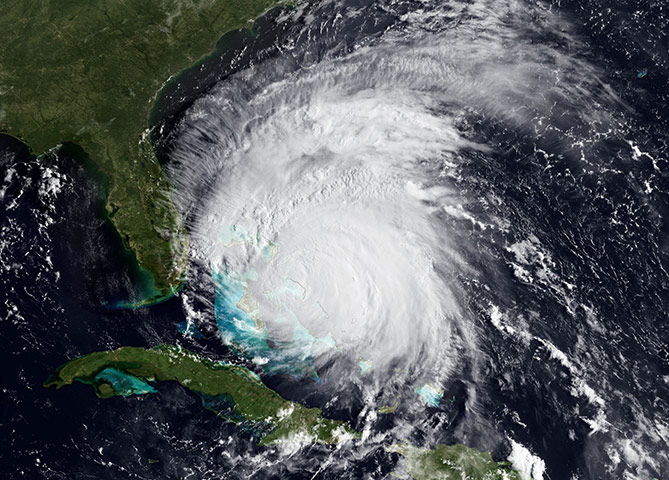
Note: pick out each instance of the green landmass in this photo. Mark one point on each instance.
(87, 72)
(452, 462)
(389, 408)
(250, 402)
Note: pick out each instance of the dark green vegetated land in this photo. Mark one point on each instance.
(250, 399)
(246, 400)
(87, 72)
(452, 462)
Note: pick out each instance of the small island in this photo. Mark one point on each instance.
(233, 392)
(386, 409)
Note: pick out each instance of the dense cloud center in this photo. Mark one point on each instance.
(328, 207)
(323, 225)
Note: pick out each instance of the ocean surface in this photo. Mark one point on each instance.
(457, 208)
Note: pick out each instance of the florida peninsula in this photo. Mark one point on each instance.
(87, 72)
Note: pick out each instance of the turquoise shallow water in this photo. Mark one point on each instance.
(235, 325)
(189, 330)
(123, 383)
(430, 394)
(239, 330)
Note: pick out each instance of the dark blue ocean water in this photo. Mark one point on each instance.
(603, 224)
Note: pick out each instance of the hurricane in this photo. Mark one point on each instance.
(341, 201)
(426, 227)
(330, 190)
